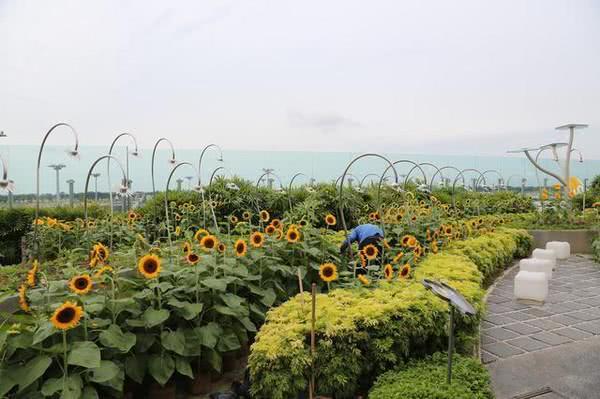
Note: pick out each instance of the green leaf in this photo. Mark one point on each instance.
(228, 342)
(215, 284)
(6, 382)
(135, 368)
(182, 365)
(154, 317)
(72, 388)
(106, 372)
(89, 392)
(44, 331)
(52, 386)
(144, 342)
(84, 354)
(173, 341)
(214, 359)
(30, 372)
(113, 337)
(3, 335)
(232, 300)
(209, 334)
(191, 310)
(226, 310)
(161, 368)
(247, 323)
(269, 297)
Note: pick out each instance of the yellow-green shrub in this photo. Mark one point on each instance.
(363, 332)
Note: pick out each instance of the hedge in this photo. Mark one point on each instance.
(426, 378)
(364, 332)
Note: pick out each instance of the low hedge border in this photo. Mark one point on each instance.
(363, 332)
(426, 378)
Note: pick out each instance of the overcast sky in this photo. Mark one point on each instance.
(443, 77)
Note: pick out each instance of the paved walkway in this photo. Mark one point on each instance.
(554, 345)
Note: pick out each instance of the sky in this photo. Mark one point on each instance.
(429, 77)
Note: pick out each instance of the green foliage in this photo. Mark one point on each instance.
(426, 379)
(596, 249)
(363, 332)
(470, 203)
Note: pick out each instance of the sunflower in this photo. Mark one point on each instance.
(133, 216)
(240, 247)
(278, 234)
(81, 285)
(292, 236)
(418, 250)
(102, 252)
(192, 258)
(39, 221)
(264, 216)
(177, 217)
(303, 223)
(364, 279)
(276, 223)
(330, 220)
(328, 272)
(388, 272)
(233, 219)
(200, 233)
(386, 244)
(448, 230)
(434, 247)
(32, 273)
(187, 247)
(557, 195)
(102, 270)
(404, 272)
(209, 242)
(23, 301)
(405, 240)
(370, 251)
(257, 239)
(67, 316)
(556, 186)
(52, 222)
(270, 229)
(93, 260)
(363, 258)
(413, 218)
(149, 266)
(221, 248)
(398, 257)
(246, 215)
(178, 231)
(412, 241)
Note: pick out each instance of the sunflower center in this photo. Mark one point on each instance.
(150, 266)
(240, 247)
(328, 271)
(81, 283)
(66, 315)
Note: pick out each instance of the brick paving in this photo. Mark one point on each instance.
(571, 313)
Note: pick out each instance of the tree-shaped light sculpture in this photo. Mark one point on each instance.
(219, 159)
(172, 160)
(135, 153)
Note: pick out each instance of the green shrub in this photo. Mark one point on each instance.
(596, 249)
(363, 332)
(426, 378)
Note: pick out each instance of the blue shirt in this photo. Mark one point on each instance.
(359, 233)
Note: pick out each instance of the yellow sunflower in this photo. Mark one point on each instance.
(233, 219)
(246, 215)
(81, 285)
(257, 239)
(370, 251)
(557, 186)
(67, 316)
(405, 240)
(434, 247)
(278, 234)
(264, 216)
(102, 270)
(149, 266)
(102, 253)
(209, 242)
(23, 301)
(398, 257)
(187, 247)
(364, 279)
(363, 258)
(132, 216)
(32, 273)
(328, 272)
(292, 236)
(178, 231)
(192, 258)
(388, 272)
(39, 221)
(404, 272)
(221, 248)
(52, 222)
(412, 242)
(330, 220)
(270, 229)
(276, 223)
(200, 233)
(94, 260)
(240, 247)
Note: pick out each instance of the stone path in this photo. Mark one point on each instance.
(514, 334)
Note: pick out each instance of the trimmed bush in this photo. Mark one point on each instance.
(426, 378)
(364, 332)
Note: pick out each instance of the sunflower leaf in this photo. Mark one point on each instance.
(154, 317)
(161, 368)
(113, 337)
(84, 354)
(106, 372)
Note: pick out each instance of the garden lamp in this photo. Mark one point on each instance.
(172, 160)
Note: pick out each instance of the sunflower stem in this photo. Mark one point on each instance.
(113, 298)
(65, 363)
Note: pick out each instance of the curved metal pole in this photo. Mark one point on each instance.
(462, 174)
(172, 160)
(87, 183)
(74, 152)
(212, 176)
(425, 164)
(489, 171)
(439, 171)
(546, 171)
(349, 174)
(290, 187)
(180, 164)
(510, 177)
(382, 177)
(112, 145)
(417, 166)
(343, 177)
(220, 159)
(365, 177)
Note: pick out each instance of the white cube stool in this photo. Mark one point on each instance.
(531, 286)
(536, 265)
(561, 248)
(549, 254)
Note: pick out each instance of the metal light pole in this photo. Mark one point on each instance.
(189, 179)
(95, 176)
(179, 181)
(71, 182)
(172, 160)
(57, 168)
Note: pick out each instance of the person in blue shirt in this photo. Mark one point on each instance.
(364, 234)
